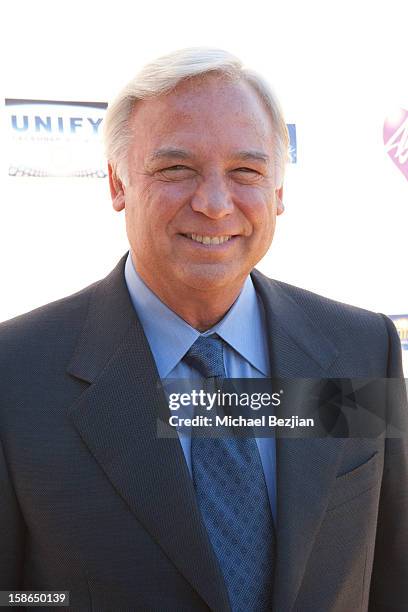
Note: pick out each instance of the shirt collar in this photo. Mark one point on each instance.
(170, 337)
(243, 327)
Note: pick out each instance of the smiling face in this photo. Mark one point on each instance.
(201, 197)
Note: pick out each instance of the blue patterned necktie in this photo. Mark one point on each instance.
(233, 499)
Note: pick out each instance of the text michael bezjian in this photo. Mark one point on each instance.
(240, 421)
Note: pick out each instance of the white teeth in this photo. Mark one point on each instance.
(209, 239)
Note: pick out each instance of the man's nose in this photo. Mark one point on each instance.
(212, 197)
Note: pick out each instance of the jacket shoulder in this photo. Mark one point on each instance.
(357, 333)
(315, 305)
(58, 322)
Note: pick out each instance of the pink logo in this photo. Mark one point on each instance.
(395, 134)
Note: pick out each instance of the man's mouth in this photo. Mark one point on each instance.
(208, 239)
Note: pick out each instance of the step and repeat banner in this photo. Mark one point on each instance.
(401, 323)
(50, 138)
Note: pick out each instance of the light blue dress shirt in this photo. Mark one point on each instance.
(245, 353)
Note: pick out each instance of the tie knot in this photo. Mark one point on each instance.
(206, 356)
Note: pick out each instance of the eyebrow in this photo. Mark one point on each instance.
(252, 155)
(169, 152)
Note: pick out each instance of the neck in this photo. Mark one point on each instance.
(200, 308)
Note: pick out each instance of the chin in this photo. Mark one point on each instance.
(208, 277)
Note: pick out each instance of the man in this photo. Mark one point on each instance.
(94, 501)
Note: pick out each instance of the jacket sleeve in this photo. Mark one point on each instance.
(389, 582)
(12, 532)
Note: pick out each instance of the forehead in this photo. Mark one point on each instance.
(206, 112)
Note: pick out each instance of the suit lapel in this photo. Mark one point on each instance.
(117, 418)
(305, 467)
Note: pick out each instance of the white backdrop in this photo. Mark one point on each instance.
(339, 69)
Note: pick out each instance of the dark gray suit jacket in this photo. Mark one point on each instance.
(92, 501)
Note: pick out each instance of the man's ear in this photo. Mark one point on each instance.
(116, 190)
(279, 200)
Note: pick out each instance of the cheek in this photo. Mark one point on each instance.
(162, 201)
(257, 205)
(170, 195)
(137, 207)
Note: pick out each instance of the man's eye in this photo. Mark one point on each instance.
(174, 168)
(177, 172)
(247, 170)
(246, 175)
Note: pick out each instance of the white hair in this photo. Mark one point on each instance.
(162, 76)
